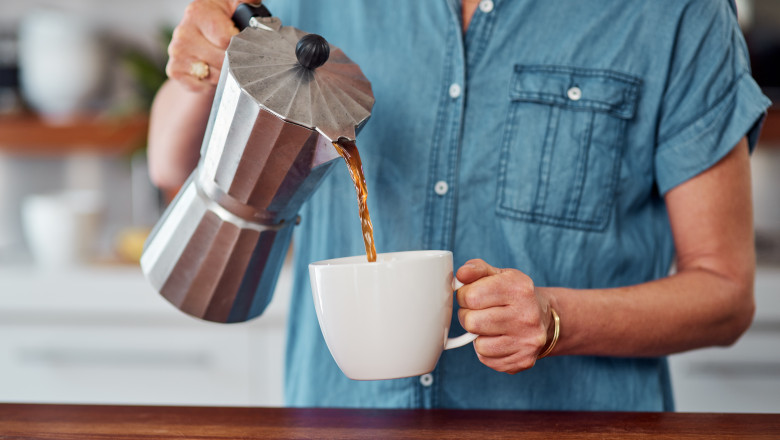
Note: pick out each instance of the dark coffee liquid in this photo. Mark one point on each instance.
(348, 150)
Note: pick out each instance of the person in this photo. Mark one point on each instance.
(587, 158)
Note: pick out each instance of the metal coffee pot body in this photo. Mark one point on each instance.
(217, 251)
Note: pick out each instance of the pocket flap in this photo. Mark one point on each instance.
(577, 88)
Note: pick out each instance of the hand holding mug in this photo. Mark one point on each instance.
(511, 316)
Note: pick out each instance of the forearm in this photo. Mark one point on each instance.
(708, 302)
(176, 129)
(691, 309)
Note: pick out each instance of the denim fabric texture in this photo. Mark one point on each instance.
(568, 122)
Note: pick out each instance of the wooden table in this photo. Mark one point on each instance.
(85, 422)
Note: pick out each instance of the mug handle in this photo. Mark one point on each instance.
(465, 338)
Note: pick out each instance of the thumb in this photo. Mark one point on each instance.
(475, 269)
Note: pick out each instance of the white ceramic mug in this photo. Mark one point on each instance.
(386, 319)
(62, 62)
(61, 229)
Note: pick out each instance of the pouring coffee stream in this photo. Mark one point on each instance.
(348, 150)
(313, 51)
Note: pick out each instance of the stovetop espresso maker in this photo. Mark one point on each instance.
(283, 97)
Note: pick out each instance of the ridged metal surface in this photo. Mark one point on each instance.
(210, 265)
(263, 167)
(217, 251)
(335, 98)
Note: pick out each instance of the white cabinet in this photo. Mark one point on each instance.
(744, 377)
(104, 336)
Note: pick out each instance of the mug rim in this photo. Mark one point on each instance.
(382, 258)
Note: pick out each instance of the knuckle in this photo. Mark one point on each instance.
(481, 346)
(223, 39)
(518, 277)
(169, 70)
(470, 323)
(193, 9)
(468, 302)
(490, 362)
(527, 363)
(178, 44)
(213, 79)
(177, 31)
(521, 365)
(476, 262)
(173, 50)
(463, 298)
(197, 7)
(541, 339)
(472, 300)
(485, 347)
(527, 282)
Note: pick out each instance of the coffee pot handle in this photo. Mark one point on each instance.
(465, 338)
(245, 12)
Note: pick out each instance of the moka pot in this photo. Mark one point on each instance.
(284, 96)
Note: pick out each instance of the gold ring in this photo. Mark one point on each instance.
(199, 70)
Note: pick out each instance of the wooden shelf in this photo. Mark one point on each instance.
(29, 135)
(770, 133)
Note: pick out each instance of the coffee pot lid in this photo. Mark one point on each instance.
(301, 78)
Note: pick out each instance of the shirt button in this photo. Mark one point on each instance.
(426, 380)
(454, 91)
(486, 6)
(441, 187)
(574, 93)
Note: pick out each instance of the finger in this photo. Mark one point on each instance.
(494, 346)
(473, 270)
(492, 291)
(180, 70)
(488, 322)
(218, 31)
(180, 67)
(508, 364)
(484, 294)
(509, 345)
(195, 85)
(212, 19)
(188, 44)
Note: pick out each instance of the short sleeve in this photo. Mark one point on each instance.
(710, 101)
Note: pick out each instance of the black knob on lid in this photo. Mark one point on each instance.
(312, 51)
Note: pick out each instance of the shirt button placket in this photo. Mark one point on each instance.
(441, 188)
(486, 6)
(455, 91)
(574, 93)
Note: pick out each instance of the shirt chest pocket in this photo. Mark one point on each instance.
(560, 153)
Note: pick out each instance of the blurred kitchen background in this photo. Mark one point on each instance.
(78, 322)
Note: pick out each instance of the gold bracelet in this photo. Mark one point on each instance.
(556, 333)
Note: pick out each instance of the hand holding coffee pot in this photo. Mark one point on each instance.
(199, 42)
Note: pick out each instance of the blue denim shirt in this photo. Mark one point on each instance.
(543, 140)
